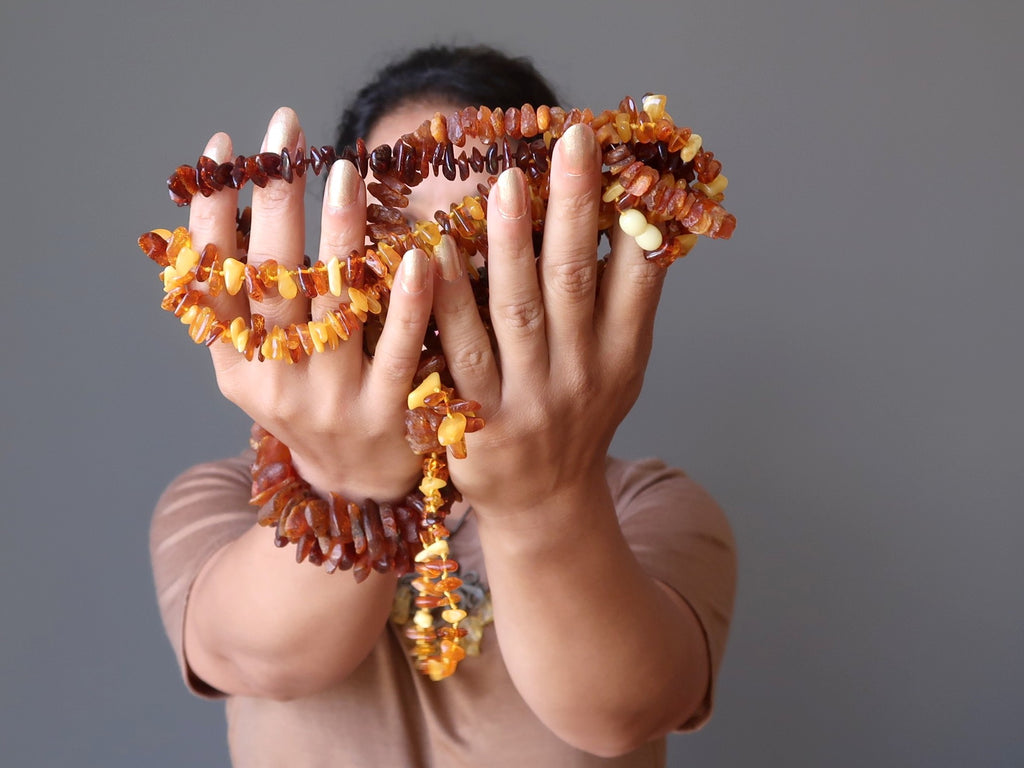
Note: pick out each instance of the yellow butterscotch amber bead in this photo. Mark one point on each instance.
(358, 300)
(334, 280)
(423, 619)
(173, 280)
(438, 548)
(318, 333)
(190, 314)
(187, 258)
(633, 222)
(716, 187)
(454, 615)
(237, 326)
(452, 428)
(654, 105)
(650, 239)
(428, 386)
(241, 341)
(613, 192)
(234, 275)
(692, 147)
(431, 485)
(286, 284)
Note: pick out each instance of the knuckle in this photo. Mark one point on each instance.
(276, 197)
(647, 275)
(576, 280)
(526, 315)
(471, 360)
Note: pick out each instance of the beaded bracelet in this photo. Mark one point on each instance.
(658, 183)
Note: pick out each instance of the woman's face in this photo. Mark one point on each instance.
(435, 193)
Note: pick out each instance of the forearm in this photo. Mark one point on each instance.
(259, 624)
(604, 655)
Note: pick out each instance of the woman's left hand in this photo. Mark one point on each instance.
(570, 358)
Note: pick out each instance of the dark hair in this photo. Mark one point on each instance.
(466, 76)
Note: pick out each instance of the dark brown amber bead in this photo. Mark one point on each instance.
(155, 247)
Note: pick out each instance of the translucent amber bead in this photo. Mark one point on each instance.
(654, 105)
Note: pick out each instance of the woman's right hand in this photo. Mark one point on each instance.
(340, 414)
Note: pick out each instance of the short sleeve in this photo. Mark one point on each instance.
(682, 538)
(201, 511)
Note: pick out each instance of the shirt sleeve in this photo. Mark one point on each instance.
(682, 538)
(202, 510)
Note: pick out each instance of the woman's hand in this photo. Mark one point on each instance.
(570, 359)
(341, 415)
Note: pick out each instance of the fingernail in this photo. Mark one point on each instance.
(277, 132)
(511, 194)
(578, 148)
(217, 148)
(414, 271)
(342, 184)
(448, 259)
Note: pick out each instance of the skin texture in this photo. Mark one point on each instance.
(571, 367)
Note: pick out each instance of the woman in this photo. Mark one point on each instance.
(611, 582)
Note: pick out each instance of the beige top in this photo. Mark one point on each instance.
(386, 713)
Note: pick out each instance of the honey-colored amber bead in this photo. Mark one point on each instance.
(186, 259)
(543, 118)
(452, 650)
(449, 584)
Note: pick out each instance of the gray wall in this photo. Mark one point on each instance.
(844, 375)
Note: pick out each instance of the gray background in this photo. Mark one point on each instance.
(844, 375)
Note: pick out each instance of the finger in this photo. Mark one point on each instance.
(568, 263)
(397, 355)
(212, 223)
(278, 226)
(516, 307)
(342, 231)
(628, 302)
(466, 344)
